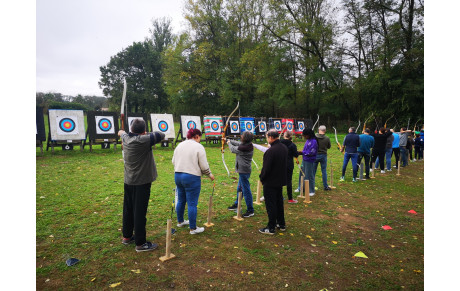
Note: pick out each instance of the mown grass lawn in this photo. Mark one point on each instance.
(79, 197)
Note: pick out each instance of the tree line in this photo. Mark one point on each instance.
(287, 58)
(52, 100)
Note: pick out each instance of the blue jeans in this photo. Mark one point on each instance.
(322, 159)
(243, 185)
(388, 153)
(354, 163)
(309, 169)
(188, 191)
(403, 152)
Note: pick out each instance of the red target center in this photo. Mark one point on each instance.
(105, 125)
(67, 125)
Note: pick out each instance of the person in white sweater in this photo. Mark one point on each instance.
(190, 164)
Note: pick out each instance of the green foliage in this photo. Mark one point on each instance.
(67, 105)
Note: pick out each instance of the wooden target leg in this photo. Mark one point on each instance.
(307, 191)
(209, 223)
(259, 189)
(302, 178)
(332, 178)
(168, 255)
(238, 211)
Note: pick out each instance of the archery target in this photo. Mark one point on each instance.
(300, 125)
(263, 126)
(277, 124)
(234, 127)
(104, 125)
(289, 126)
(67, 124)
(249, 126)
(212, 126)
(215, 126)
(163, 123)
(188, 122)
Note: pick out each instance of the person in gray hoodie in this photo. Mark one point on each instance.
(324, 143)
(244, 151)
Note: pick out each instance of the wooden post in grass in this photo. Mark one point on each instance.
(238, 210)
(259, 190)
(168, 255)
(302, 178)
(307, 191)
(398, 162)
(209, 223)
(332, 177)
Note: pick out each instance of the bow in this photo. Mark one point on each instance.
(408, 123)
(359, 123)
(416, 125)
(339, 147)
(315, 123)
(123, 100)
(300, 168)
(364, 126)
(223, 137)
(388, 120)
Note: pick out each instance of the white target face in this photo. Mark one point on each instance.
(234, 126)
(188, 122)
(104, 125)
(262, 126)
(130, 122)
(277, 125)
(66, 124)
(249, 126)
(300, 126)
(289, 125)
(163, 123)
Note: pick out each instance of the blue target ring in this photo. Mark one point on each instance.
(249, 126)
(277, 126)
(289, 126)
(234, 126)
(163, 126)
(262, 126)
(105, 124)
(301, 126)
(215, 125)
(67, 124)
(191, 124)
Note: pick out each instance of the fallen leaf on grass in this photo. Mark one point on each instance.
(334, 242)
(92, 280)
(281, 233)
(360, 255)
(417, 271)
(115, 285)
(136, 271)
(250, 273)
(235, 247)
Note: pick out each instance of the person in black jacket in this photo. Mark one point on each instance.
(273, 177)
(380, 141)
(292, 152)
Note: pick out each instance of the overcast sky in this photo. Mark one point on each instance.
(75, 38)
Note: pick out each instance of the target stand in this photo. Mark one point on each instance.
(102, 129)
(40, 129)
(64, 144)
(66, 129)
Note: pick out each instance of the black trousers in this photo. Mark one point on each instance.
(397, 152)
(274, 205)
(418, 152)
(289, 183)
(381, 155)
(135, 203)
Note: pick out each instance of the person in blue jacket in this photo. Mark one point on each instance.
(364, 149)
(350, 146)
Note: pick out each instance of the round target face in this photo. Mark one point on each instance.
(191, 124)
(234, 126)
(301, 126)
(104, 124)
(163, 126)
(67, 124)
(277, 126)
(289, 126)
(215, 126)
(262, 126)
(249, 126)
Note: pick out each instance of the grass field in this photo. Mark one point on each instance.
(79, 198)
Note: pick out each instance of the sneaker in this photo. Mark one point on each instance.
(354, 180)
(389, 170)
(327, 188)
(281, 228)
(312, 194)
(342, 179)
(148, 246)
(262, 198)
(296, 190)
(197, 230)
(127, 241)
(370, 170)
(395, 167)
(382, 172)
(234, 207)
(414, 160)
(292, 201)
(266, 230)
(248, 214)
(183, 223)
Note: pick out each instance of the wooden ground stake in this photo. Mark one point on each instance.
(398, 162)
(373, 171)
(238, 210)
(209, 223)
(259, 190)
(302, 177)
(332, 178)
(307, 191)
(168, 255)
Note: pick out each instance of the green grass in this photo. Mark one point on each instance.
(79, 197)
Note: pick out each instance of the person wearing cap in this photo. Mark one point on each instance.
(190, 164)
(139, 172)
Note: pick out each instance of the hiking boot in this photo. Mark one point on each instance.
(342, 179)
(266, 230)
(248, 213)
(148, 246)
(234, 207)
(127, 241)
(292, 201)
(197, 230)
(327, 188)
(185, 222)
